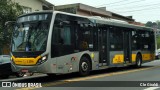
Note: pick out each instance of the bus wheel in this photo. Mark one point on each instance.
(31, 74)
(19, 74)
(138, 61)
(84, 66)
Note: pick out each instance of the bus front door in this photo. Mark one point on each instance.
(103, 55)
(127, 47)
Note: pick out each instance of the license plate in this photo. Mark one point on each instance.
(28, 62)
(24, 70)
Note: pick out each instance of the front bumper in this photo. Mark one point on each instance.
(43, 68)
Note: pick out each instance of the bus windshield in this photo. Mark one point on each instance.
(31, 33)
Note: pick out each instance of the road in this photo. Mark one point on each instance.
(109, 79)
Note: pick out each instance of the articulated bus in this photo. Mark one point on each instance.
(54, 42)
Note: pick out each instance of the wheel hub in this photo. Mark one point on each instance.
(139, 62)
(84, 66)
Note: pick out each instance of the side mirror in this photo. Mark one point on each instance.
(10, 23)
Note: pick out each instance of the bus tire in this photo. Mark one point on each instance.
(138, 60)
(31, 74)
(19, 74)
(84, 66)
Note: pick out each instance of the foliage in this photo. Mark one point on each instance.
(157, 26)
(8, 12)
(158, 23)
(153, 24)
(149, 24)
(158, 42)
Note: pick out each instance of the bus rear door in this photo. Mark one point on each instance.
(127, 46)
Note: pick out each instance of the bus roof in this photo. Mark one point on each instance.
(98, 20)
(109, 22)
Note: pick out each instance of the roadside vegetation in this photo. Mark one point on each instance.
(158, 42)
(8, 12)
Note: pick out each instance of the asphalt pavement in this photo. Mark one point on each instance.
(126, 78)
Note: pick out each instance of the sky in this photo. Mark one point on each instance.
(141, 10)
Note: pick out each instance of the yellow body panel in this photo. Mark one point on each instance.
(147, 56)
(133, 57)
(25, 61)
(118, 59)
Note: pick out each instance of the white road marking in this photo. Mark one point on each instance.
(151, 88)
(23, 78)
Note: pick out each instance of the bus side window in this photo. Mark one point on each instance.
(65, 35)
(134, 40)
(85, 34)
(62, 35)
(116, 39)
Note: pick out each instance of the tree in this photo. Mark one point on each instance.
(158, 24)
(153, 24)
(148, 24)
(158, 36)
(8, 12)
(158, 42)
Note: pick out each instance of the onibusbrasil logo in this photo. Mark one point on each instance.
(13, 84)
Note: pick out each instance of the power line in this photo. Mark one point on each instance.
(139, 10)
(112, 3)
(137, 1)
(151, 13)
(122, 4)
(138, 6)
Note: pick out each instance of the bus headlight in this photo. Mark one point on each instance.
(42, 59)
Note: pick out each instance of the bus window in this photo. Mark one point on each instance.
(134, 40)
(85, 37)
(116, 39)
(65, 35)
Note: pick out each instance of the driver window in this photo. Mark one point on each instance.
(62, 35)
